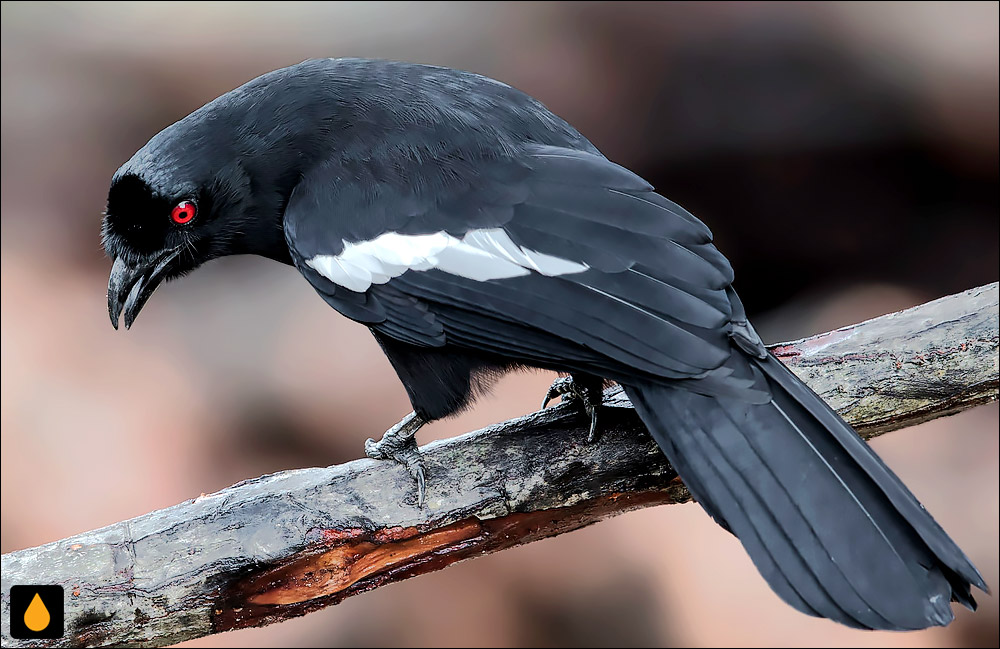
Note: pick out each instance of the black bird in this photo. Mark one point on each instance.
(475, 232)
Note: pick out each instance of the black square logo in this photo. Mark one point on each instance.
(36, 612)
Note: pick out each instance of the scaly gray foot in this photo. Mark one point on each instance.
(398, 444)
(586, 389)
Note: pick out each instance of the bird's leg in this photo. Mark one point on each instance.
(398, 444)
(586, 388)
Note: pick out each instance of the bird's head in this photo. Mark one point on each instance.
(195, 192)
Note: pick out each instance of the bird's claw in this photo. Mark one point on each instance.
(592, 411)
(573, 389)
(561, 387)
(399, 445)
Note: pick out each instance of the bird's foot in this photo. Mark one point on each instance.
(399, 445)
(586, 389)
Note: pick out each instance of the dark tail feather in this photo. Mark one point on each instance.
(833, 531)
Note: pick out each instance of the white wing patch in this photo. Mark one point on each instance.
(480, 255)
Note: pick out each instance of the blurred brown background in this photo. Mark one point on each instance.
(844, 154)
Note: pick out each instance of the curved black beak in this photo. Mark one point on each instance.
(130, 286)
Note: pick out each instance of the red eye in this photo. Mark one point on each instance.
(183, 212)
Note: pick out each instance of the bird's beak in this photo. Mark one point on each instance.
(130, 286)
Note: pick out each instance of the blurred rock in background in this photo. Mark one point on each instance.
(844, 154)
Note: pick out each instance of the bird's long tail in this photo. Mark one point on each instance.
(833, 531)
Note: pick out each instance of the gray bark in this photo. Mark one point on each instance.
(285, 544)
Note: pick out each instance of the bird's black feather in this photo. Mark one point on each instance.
(790, 498)
(368, 174)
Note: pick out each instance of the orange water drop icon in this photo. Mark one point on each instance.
(37, 616)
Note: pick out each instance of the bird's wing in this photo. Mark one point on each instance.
(548, 255)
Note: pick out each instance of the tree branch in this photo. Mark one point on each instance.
(286, 544)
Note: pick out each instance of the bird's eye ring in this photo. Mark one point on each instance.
(184, 212)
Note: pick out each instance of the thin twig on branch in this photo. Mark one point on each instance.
(286, 544)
